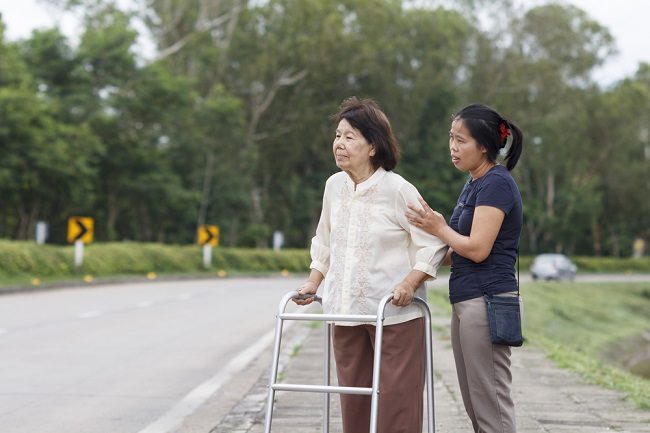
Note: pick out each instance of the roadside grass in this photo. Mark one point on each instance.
(576, 323)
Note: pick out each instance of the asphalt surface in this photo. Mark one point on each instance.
(128, 358)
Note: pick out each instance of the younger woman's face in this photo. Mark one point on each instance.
(466, 153)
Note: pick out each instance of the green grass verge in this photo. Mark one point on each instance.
(25, 263)
(576, 323)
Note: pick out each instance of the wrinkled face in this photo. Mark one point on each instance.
(352, 151)
(466, 153)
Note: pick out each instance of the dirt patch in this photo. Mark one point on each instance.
(632, 354)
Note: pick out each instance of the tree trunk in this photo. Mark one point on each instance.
(615, 242)
(232, 233)
(26, 221)
(596, 244)
(550, 195)
(205, 194)
(257, 214)
(111, 216)
(533, 234)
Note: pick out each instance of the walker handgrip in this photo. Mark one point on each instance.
(303, 297)
(313, 296)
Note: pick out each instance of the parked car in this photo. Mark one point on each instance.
(553, 267)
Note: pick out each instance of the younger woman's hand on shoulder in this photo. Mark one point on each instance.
(426, 218)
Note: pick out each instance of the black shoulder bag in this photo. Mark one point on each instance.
(504, 317)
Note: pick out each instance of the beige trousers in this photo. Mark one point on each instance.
(483, 369)
(401, 383)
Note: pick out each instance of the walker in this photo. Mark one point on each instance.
(326, 388)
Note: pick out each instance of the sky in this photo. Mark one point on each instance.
(627, 20)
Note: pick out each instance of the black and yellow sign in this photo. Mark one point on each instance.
(80, 229)
(208, 234)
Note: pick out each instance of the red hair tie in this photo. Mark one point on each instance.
(504, 131)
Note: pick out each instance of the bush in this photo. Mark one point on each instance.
(26, 259)
(120, 258)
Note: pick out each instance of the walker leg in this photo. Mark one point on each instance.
(326, 396)
(429, 377)
(273, 376)
(376, 367)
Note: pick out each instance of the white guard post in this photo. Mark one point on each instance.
(207, 255)
(78, 253)
(374, 392)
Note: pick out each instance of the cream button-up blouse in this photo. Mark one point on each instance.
(364, 246)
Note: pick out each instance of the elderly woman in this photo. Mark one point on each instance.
(364, 249)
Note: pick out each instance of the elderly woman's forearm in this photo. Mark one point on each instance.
(415, 278)
(316, 277)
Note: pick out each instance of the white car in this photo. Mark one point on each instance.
(553, 267)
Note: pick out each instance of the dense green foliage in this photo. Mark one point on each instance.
(590, 328)
(228, 124)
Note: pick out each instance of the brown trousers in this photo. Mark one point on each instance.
(483, 369)
(401, 380)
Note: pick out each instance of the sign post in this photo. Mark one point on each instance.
(208, 237)
(207, 256)
(78, 254)
(278, 240)
(41, 232)
(80, 232)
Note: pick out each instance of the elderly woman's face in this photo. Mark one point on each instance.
(351, 149)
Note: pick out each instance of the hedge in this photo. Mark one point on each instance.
(28, 259)
(122, 258)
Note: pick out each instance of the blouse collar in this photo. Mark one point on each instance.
(366, 184)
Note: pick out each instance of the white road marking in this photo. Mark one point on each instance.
(3, 331)
(195, 398)
(184, 296)
(145, 304)
(89, 314)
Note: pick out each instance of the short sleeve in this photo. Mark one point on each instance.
(320, 244)
(497, 192)
(431, 250)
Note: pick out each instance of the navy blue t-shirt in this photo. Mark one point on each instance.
(496, 274)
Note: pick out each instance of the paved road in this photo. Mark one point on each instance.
(128, 358)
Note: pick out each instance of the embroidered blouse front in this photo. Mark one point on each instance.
(365, 246)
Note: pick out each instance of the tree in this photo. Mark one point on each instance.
(539, 75)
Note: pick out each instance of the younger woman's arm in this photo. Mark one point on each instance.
(477, 246)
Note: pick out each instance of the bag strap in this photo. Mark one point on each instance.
(517, 273)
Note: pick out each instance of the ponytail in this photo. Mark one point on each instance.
(514, 152)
